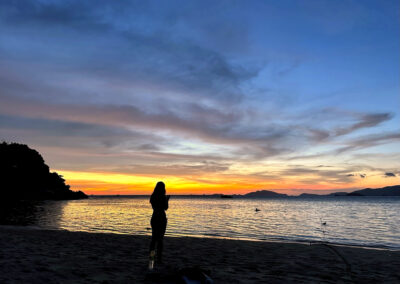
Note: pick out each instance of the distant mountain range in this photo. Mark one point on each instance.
(384, 191)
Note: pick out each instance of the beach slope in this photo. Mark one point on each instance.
(40, 256)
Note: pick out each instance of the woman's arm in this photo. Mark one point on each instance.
(166, 202)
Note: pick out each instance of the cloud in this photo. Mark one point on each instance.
(140, 86)
(352, 121)
(366, 121)
(367, 141)
(174, 169)
(355, 175)
(219, 128)
(319, 135)
(318, 174)
(94, 43)
(54, 127)
(389, 175)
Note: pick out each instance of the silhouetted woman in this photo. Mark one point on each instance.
(159, 202)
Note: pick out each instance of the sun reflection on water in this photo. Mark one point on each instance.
(365, 221)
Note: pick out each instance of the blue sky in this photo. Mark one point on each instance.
(260, 92)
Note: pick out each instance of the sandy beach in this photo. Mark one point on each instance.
(40, 256)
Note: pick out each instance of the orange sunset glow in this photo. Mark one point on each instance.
(123, 184)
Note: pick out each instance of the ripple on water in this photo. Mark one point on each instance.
(368, 221)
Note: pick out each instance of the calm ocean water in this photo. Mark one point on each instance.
(368, 221)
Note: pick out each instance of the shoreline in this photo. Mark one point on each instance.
(272, 240)
(38, 255)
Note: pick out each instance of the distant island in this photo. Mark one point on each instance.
(264, 194)
(25, 176)
(384, 191)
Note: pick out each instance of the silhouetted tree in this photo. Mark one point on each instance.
(24, 175)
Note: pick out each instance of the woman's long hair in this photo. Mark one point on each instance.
(158, 193)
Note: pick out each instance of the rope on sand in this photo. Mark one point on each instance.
(348, 265)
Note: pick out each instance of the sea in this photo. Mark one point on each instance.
(361, 221)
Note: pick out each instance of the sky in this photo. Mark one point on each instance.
(208, 96)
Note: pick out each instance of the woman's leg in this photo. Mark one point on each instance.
(154, 235)
(160, 237)
(153, 242)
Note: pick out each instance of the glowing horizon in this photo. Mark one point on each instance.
(123, 184)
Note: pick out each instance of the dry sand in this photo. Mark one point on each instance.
(46, 256)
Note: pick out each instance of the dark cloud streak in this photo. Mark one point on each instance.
(366, 121)
(369, 141)
(162, 62)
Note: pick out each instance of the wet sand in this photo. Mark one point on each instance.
(40, 256)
